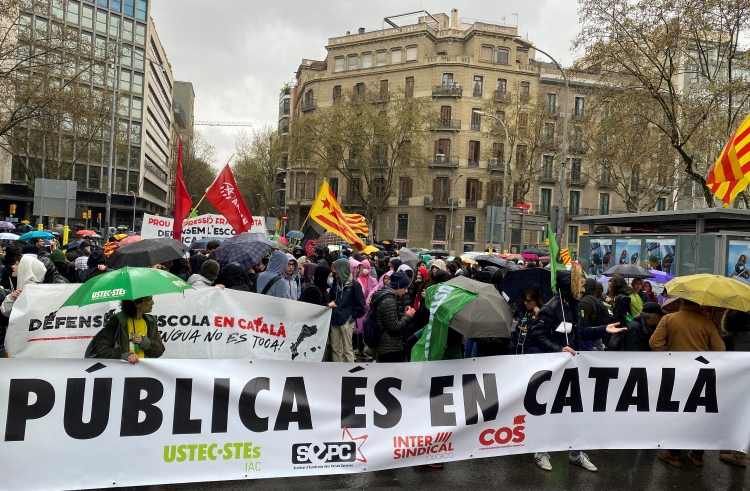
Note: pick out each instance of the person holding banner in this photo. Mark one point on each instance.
(131, 334)
(557, 328)
(347, 294)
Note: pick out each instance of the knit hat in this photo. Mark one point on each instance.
(210, 270)
(30, 249)
(396, 263)
(399, 280)
(57, 256)
(83, 244)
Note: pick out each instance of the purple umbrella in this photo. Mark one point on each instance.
(660, 276)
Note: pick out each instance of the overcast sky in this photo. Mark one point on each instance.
(239, 53)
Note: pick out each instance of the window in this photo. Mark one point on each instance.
(285, 107)
(445, 114)
(503, 55)
(661, 204)
(547, 166)
(688, 190)
(336, 93)
(334, 185)
(127, 30)
(577, 136)
(354, 189)
(95, 149)
(574, 205)
(549, 131)
(135, 133)
(378, 187)
(411, 53)
(448, 80)
(470, 227)
(124, 109)
(575, 169)
(523, 122)
(441, 189)
(606, 177)
(474, 154)
(520, 155)
(140, 13)
(102, 3)
(383, 90)
(140, 34)
(138, 83)
(129, 7)
(402, 232)
(604, 204)
(135, 157)
(404, 188)
(443, 147)
(125, 80)
(498, 151)
(359, 90)
(73, 11)
(87, 19)
(409, 87)
(138, 58)
(476, 120)
(338, 65)
(545, 200)
(572, 234)
(367, 60)
(126, 56)
(502, 85)
(550, 103)
(95, 177)
(578, 109)
(80, 175)
(477, 88)
(133, 182)
(351, 62)
(473, 191)
(485, 53)
(396, 56)
(380, 58)
(154, 190)
(116, 5)
(101, 21)
(57, 9)
(120, 175)
(438, 232)
(525, 90)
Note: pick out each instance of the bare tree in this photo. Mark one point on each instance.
(198, 169)
(256, 165)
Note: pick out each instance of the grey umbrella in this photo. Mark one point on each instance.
(487, 316)
(408, 257)
(629, 271)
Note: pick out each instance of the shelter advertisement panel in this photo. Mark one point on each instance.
(628, 251)
(601, 255)
(737, 260)
(196, 228)
(660, 254)
(105, 424)
(204, 323)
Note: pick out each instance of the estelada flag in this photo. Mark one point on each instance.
(358, 223)
(226, 198)
(730, 175)
(565, 254)
(182, 201)
(327, 212)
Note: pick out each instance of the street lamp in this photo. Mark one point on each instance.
(561, 213)
(506, 150)
(134, 203)
(450, 200)
(115, 79)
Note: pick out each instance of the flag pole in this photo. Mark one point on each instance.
(209, 187)
(294, 243)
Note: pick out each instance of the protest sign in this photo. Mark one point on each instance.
(196, 228)
(93, 422)
(204, 323)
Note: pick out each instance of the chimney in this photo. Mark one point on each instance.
(361, 30)
(454, 18)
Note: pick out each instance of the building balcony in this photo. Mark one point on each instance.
(577, 147)
(351, 200)
(309, 105)
(179, 115)
(543, 209)
(549, 144)
(453, 90)
(377, 98)
(576, 179)
(471, 203)
(495, 165)
(553, 111)
(548, 176)
(443, 161)
(473, 162)
(476, 126)
(501, 96)
(497, 201)
(476, 93)
(430, 202)
(579, 115)
(403, 201)
(606, 183)
(443, 124)
(352, 164)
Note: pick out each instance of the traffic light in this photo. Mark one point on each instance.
(99, 217)
(89, 215)
(85, 215)
(12, 209)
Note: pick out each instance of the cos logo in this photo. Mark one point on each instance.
(505, 435)
(318, 453)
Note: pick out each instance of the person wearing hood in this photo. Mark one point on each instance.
(84, 251)
(435, 266)
(316, 293)
(594, 313)
(368, 284)
(347, 294)
(65, 268)
(233, 278)
(208, 273)
(51, 276)
(275, 280)
(97, 264)
(395, 263)
(26, 270)
(391, 322)
(559, 327)
(308, 273)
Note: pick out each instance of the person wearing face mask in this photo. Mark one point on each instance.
(420, 283)
(316, 292)
(368, 284)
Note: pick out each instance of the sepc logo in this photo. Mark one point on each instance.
(347, 450)
(505, 436)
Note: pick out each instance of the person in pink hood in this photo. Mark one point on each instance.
(361, 271)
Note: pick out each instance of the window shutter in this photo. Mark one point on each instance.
(448, 189)
(437, 147)
(447, 149)
(479, 191)
(471, 151)
(478, 150)
(408, 187)
(434, 189)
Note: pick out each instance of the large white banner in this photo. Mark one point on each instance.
(200, 227)
(204, 323)
(109, 424)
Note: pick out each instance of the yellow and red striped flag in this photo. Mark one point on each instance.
(326, 211)
(358, 223)
(565, 254)
(730, 175)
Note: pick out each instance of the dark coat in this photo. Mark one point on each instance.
(737, 341)
(384, 304)
(350, 302)
(637, 335)
(107, 347)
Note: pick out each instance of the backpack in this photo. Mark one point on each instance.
(270, 284)
(603, 317)
(371, 331)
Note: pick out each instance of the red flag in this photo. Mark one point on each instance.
(182, 201)
(226, 198)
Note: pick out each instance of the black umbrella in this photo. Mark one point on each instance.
(72, 245)
(485, 260)
(438, 253)
(517, 281)
(416, 250)
(203, 243)
(629, 271)
(536, 252)
(146, 253)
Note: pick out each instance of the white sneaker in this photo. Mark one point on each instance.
(582, 461)
(542, 460)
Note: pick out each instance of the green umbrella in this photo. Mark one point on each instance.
(126, 284)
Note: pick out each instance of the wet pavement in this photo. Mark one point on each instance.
(618, 470)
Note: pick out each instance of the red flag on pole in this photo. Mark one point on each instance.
(226, 198)
(182, 201)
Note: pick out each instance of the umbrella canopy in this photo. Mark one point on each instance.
(468, 261)
(295, 234)
(130, 239)
(492, 260)
(203, 243)
(120, 236)
(672, 305)
(328, 239)
(438, 253)
(246, 249)
(408, 257)
(72, 245)
(416, 249)
(53, 232)
(487, 316)
(711, 290)
(517, 281)
(536, 252)
(146, 253)
(8, 236)
(660, 276)
(126, 284)
(35, 234)
(629, 271)
(371, 249)
(84, 233)
(7, 225)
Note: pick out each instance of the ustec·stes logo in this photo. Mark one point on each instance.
(347, 450)
(505, 436)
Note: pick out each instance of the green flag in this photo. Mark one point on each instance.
(194, 213)
(443, 301)
(556, 262)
